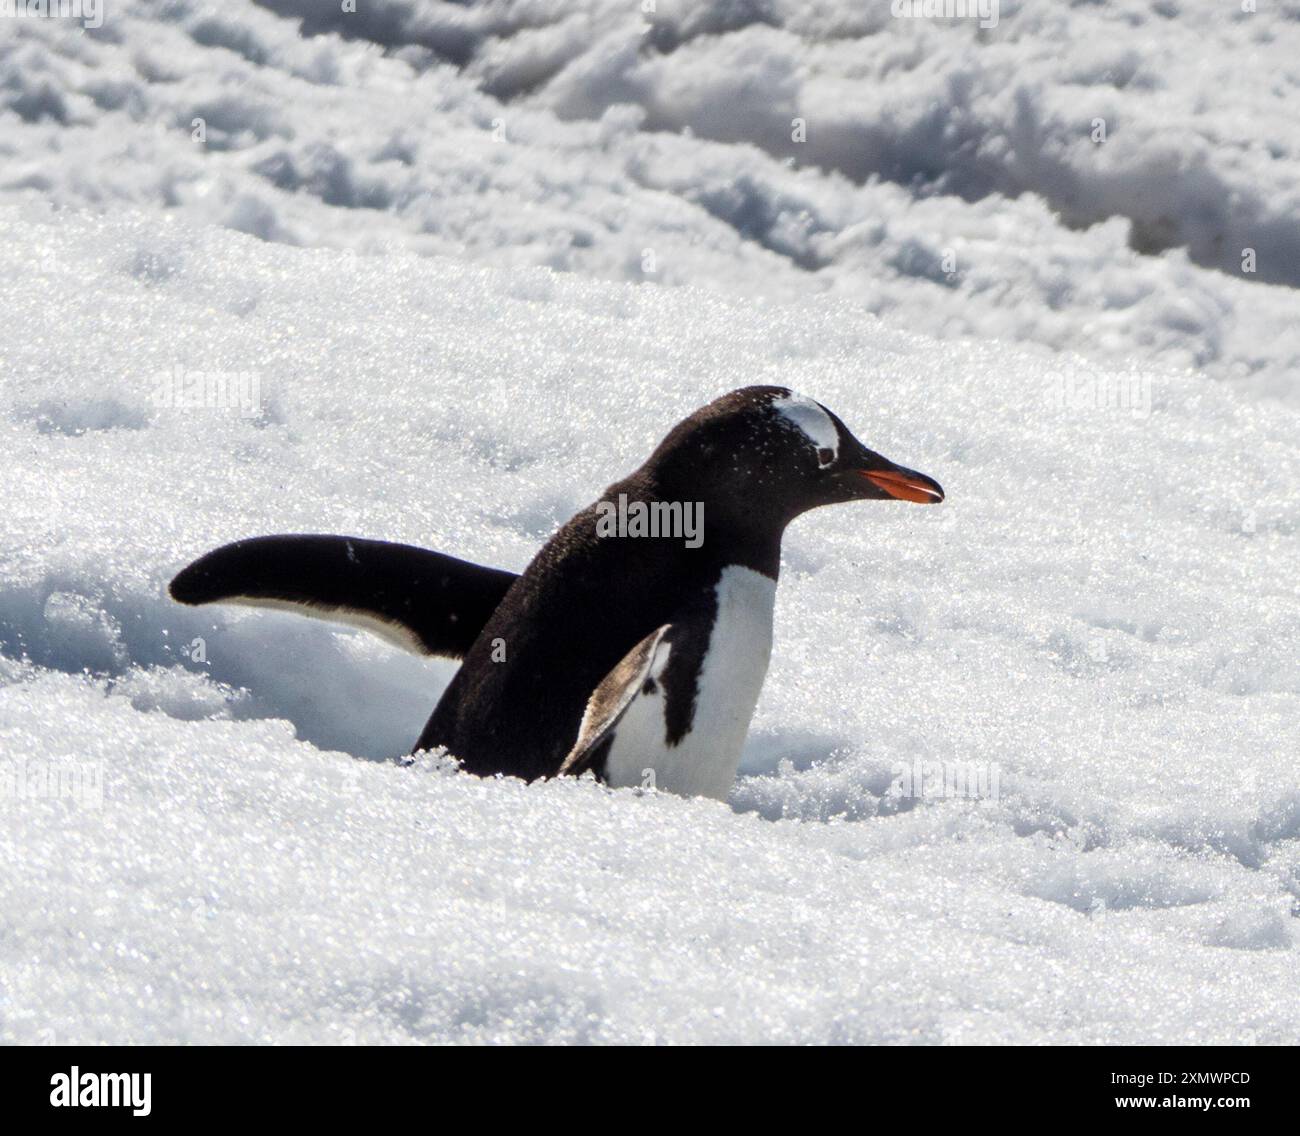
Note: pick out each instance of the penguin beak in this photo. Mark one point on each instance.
(900, 483)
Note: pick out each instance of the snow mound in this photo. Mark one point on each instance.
(204, 836)
(1121, 179)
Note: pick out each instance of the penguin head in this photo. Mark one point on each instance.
(771, 454)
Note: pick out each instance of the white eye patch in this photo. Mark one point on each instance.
(811, 420)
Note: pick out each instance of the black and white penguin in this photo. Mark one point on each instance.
(623, 649)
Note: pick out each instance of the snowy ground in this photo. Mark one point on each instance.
(1103, 613)
(1104, 610)
(948, 176)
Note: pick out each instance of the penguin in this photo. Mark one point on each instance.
(634, 645)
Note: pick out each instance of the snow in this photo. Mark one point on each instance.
(360, 306)
(1103, 609)
(947, 177)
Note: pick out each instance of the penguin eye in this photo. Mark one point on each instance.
(825, 456)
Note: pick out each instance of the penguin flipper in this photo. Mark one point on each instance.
(426, 602)
(636, 676)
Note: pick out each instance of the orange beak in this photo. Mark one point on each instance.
(906, 485)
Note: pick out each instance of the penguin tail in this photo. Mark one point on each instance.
(423, 601)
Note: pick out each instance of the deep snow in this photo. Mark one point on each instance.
(949, 177)
(1104, 611)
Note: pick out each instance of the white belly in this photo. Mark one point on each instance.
(704, 762)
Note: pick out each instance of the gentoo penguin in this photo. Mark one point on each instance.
(624, 650)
